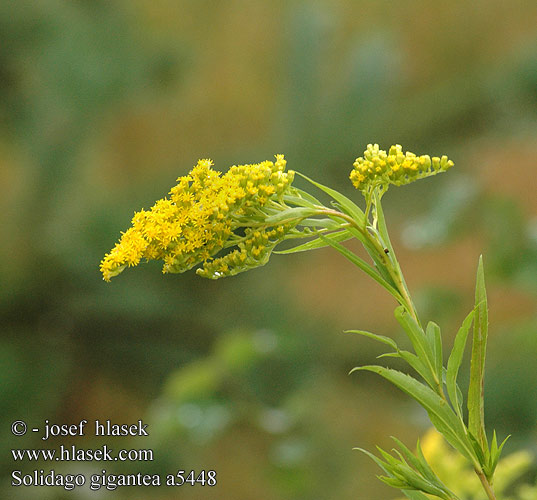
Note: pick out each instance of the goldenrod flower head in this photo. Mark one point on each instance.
(205, 213)
(378, 168)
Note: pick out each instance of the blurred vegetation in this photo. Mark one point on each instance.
(510, 482)
(104, 104)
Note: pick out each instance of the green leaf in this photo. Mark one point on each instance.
(390, 460)
(322, 223)
(299, 201)
(440, 413)
(480, 453)
(393, 482)
(409, 456)
(495, 453)
(407, 473)
(476, 414)
(380, 266)
(425, 468)
(418, 365)
(290, 214)
(348, 206)
(413, 361)
(364, 266)
(374, 336)
(415, 495)
(303, 197)
(435, 340)
(375, 459)
(460, 399)
(382, 228)
(417, 482)
(351, 209)
(318, 242)
(418, 339)
(454, 363)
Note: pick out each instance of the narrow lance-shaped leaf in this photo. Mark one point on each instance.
(382, 228)
(326, 223)
(435, 340)
(495, 452)
(441, 415)
(299, 201)
(364, 266)
(289, 214)
(303, 196)
(351, 209)
(419, 464)
(401, 476)
(476, 415)
(376, 257)
(415, 363)
(348, 206)
(479, 452)
(433, 484)
(454, 363)
(425, 467)
(318, 242)
(357, 214)
(415, 495)
(379, 338)
(417, 336)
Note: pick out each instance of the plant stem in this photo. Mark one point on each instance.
(486, 485)
(397, 275)
(394, 270)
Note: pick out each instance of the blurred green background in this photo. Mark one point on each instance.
(103, 104)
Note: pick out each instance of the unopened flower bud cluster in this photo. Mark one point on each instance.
(253, 251)
(378, 168)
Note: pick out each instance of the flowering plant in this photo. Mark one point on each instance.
(229, 223)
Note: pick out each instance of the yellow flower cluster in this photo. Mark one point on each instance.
(200, 218)
(378, 168)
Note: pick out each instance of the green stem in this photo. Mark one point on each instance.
(393, 270)
(396, 274)
(486, 485)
